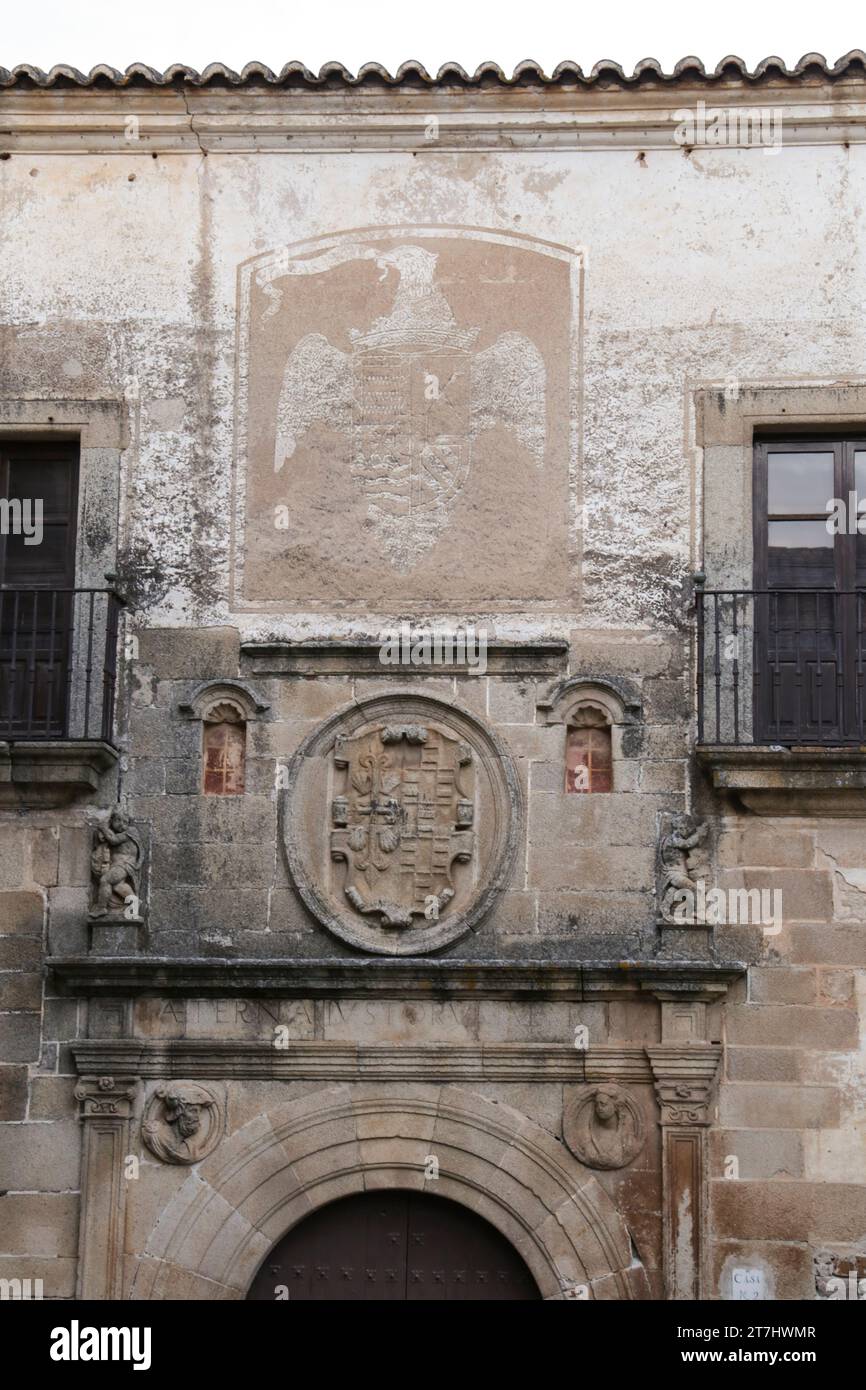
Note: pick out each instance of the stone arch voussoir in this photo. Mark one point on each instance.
(305, 1153)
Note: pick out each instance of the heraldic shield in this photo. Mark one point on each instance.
(402, 818)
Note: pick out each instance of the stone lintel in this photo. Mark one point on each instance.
(545, 657)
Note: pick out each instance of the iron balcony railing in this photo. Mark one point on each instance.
(58, 663)
(781, 666)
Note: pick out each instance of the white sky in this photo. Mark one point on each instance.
(160, 32)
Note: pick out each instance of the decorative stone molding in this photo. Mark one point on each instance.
(377, 822)
(207, 696)
(183, 1122)
(222, 1224)
(361, 656)
(238, 1059)
(603, 1127)
(105, 1095)
(616, 699)
(106, 1108)
(602, 702)
(685, 1080)
(571, 110)
(402, 979)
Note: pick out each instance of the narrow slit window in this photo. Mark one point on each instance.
(224, 747)
(588, 754)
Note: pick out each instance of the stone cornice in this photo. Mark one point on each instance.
(143, 119)
(341, 1061)
(385, 978)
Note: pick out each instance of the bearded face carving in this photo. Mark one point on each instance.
(182, 1123)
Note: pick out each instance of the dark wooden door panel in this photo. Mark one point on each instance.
(393, 1247)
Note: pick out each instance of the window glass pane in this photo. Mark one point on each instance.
(224, 756)
(588, 760)
(860, 479)
(799, 482)
(800, 554)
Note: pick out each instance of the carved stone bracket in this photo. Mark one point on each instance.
(106, 1109)
(685, 1082)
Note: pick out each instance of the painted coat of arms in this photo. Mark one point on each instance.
(410, 397)
(402, 818)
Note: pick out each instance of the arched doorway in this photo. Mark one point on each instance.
(393, 1246)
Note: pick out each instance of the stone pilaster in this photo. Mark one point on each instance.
(106, 1109)
(685, 1079)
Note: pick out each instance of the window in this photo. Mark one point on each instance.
(38, 508)
(810, 589)
(224, 750)
(588, 753)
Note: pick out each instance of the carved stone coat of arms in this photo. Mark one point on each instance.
(403, 820)
(400, 820)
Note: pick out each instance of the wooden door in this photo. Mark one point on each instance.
(397, 1247)
(808, 616)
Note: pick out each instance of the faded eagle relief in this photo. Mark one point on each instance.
(408, 434)
(413, 394)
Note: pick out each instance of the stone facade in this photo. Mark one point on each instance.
(478, 357)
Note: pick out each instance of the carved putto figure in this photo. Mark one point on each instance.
(183, 1123)
(603, 1127)
(115, 866)
(676, 873)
